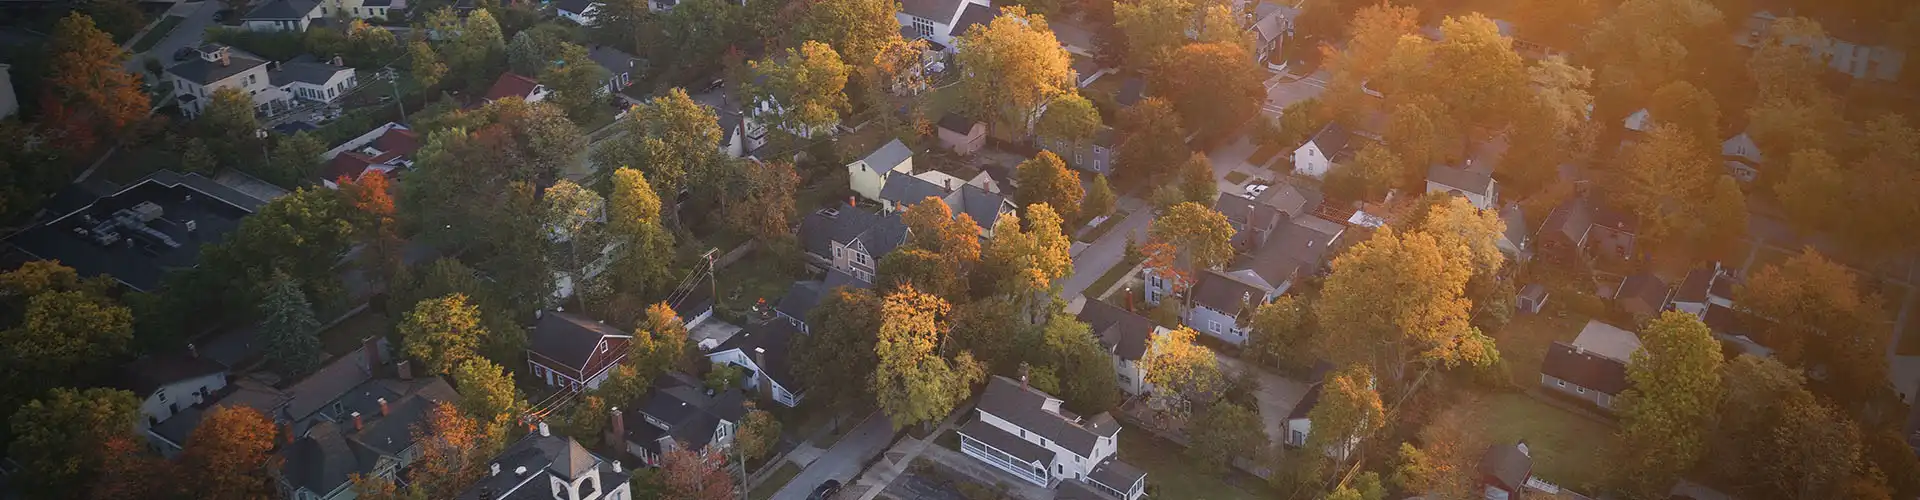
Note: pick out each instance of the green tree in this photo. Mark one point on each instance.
(1376, 170)
(1665, 412)
(1100, 199)
(442, 332)
(293, 344)
(1689, 108)
(1667, 37)
(1202, 236)
(1176, 366)
(1666, 178)
(1397, 300)
(1212, 83)
(65, 333)
(58, 439)
(760, 200)
(671, 139)
(587, 420)
(488, 396)
(634, 222)
(573, 213)
(913, 382)
(1071, 118)
(857, 29)
(1017, 66)
(759, 434)
(1088, 382)
(1366, 486)
(1022, 263)
(809, 84)
(1196, 180)
(842, 331)
(1046, 180)
(1153, 28)
(1417, 134)
(1224, 432)
(295, 160)
(1821, 320)
(228, 126)
(1814, 190)
(578, 83)
(1283, 334)
(1349, 411)
(426, 67)
(1151, 142)
(533, 51)
(476, 51)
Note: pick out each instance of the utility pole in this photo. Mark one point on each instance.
(393, 77)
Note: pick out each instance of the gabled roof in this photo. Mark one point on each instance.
(1227, 295)
(554, 454)
(688, 408)
(939, 11)
(880, 233)
(1027, 408)
(305, 69)
(1306, 404)
(1296, 247)
(1642, 293)
(395, 147)
(1508, 464)
(1122, 332)
(277, 10)
(889, 155)
(1585, 369)
(1331, 139)
(1464, 180)
(1516, 219)
(511, 85)
(1132, 90)
(612, 59)
(329, 452)
(767, 343)
(1695, 287)
(956, 124)
(800, 299)
(973, 15)
(1116, 474)
(206, 72)
(569, 339)
(910, 190)
(149, 373)
(983, 206)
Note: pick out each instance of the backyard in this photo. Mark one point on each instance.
(1565, 446)
(1523, 343)
(1171, 475)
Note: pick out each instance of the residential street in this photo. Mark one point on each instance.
(1280, 94)
(844, 460)
(1096, 258)
(199, 15)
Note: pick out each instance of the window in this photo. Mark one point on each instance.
(923, 27)
(1126, 379)
(163, 396)
(1061, 468)
(1023, 433)
(1043, 441)
(1581, 390)
(1213, 326)
(1297, 437)
(1562, 383)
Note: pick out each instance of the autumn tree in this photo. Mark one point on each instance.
(1446, 462)
(671, 139)
(442, 332)
(1100, 199)
(809, 85)
(453, 452)
(1151, 142)
(1667, 179)
(87, 74)
(932, 225)
(1373, 172)
(1176, 366)
(64, 332)
(913, 382)
(634, 222)
(1154, 29)
(1349, 411)
(1483, 77)
(1467, 233)
(375, 221)
(1045, 179)
(291, 332)
(424, 64)
(1212, 83)
(696, 475)
(1023, 263)
(659, 341)
(230, 455)
(1224, 432)
(857, 29)
(1821, 320)
(1202, 235)
(760, 202)
(57, 439)
(1688, 108)
(1396, 301)
(1283, 335)
(1668, 38)
(1016, 67)
(899, 68)
(488, 396)
(759, 434)
(1196, 180)
(1664, 413)
(1071, 118)
(1786, 62)
(842, 331)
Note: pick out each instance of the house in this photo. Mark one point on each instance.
(1125, 336)
(1642, 295)
(1516, 241)
(282, 15)
(220, 67)
(1858, 61)
(850, 240)
(762, 350)
(579, 11)
(1272, 27)
(1132, 90)
(1582, 224)
(620, 66)
(168, 383)
(549, 466)
(983, 205)
(9, 102)
(573, 352)
(512, 85)
(304, 78)
(1703, 287)
(1531, 298)
(169, 436)
(1594, 367)
(1736, 327)
(1094, 156)
(371, 436)
(138, 233)
(1024, 432)
(1299, 422)
(1476, 186)
(1638, 121)
(940, 21)
(1279, 240)
(363, 9)
(803, 296)
(1504, 470)
(1741, 157)
(387, 149)
(962, 135)
(1325, 149)
(868, 175)
(678, 412)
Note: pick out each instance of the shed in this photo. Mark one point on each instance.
(962, 135)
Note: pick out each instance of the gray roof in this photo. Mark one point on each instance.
(983, 206)
(1534, 291)
(956, 123)
(768, 341)
(880, 233)
(1695, 287)
(1307, 402)
(329, 452)
(569, 339)
(1516, 219)
(1644, 292)
(939, 11)
(312, 72)
(1296, 247)
(241, 392)
(330, 383)
(974, 14)
(685, 405)
(1507, 464)
(206, 72)
(1122, 332)
(149, 373)
(1116, 474)
(1331, 139)
(1132, 90)
(1224, 294)
(890, 155)
(614, 60)
(1585, 368)
(1272, 20)
(281, 10)
(1024, 407)
(1461, 179)
(800, 298)
(1022, 449)
(555, 455)
(909, 190)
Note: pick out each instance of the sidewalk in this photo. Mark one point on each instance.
(876, 478)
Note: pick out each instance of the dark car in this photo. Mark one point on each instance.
(220, 16)
(826, 490)
(183, 54)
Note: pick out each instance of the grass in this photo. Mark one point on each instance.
(1113, 275)
(1105, 227)
(1237, 177)
(744, 283)
(346, 336)
(158, 33)
(775, 482)
(1565, 446)
(1523, 343)
(1171, 475)
(1260, 156)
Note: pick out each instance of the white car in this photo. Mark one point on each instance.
(1255, 189)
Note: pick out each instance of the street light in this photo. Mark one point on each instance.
(261, 134)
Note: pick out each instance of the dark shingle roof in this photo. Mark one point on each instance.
(1024, 407)
(1116, 474)
(144, 375)
(316, 73)
(800, 299)
(280, 10)
(1694, 288)
(1332, 139)
(1642, 293)
(983, 206)
(569, 339)
(612, 59)
(881, 233)
(1125, 333)
(1507, 464)
(1220, 293)
(1458, 178)
(685, 405)
(206, 72)
(1585, 369)
(974, 15)
(889, 155)
(1132, 90)
(768, 341)
(1306, 404)
(558, 455)
(939, 11)
(956, 123)
(910, 190)
(1022, 449)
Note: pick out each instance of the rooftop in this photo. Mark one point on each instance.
(1122, 332)
(540, 456)
(1608, 340)
(136, 234)
(1039, 413)
(304, 69)
(570, 339)
(1460, 179)
(511, 85)
(767, 343)
(1585, 368)
(204, 72)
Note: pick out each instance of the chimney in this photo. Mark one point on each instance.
(383, 406)
(494, 469)
(192, 352)
(405, 369)
(1023, 376)
(286, 429)
(617, 427)
(520, 471)
(371, 347)
(338, 62)
(616, 466)
(850, 202)
(223, 57)
(1522, 445)
(544, 432)
(356, 421)
(1129, 298)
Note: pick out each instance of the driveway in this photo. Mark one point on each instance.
(1280, 94)
(1103, 253)
(198, 16)
(844, 460)
(1277, 395)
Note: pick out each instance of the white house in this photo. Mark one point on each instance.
(1299, 427)
(306, 79)
(868, 175)
(579, 11)
(621, 67)
(282, 15)
(1742, 157)
(219, 67)
(1639, 121)
(170, 383)
(363, 9)
(762, 350)
(1279, 241)
(1126, 337)
(1477, 187)
(1320, 153)
(1024, 432)
(550, 466)
(940, 21)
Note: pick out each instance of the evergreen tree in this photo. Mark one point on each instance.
(290, 329)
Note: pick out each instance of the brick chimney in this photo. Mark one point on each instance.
(222, 56)
(1023, 376)
(616, 427)
(383, 406)
(356, 421)
(405, 369)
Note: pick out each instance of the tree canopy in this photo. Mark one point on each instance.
(914, 382)
(1664, 413)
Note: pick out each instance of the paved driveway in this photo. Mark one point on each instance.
(1277, 395)
(1279, 94)
(844, 460)
(1103, 253)
(199, 15)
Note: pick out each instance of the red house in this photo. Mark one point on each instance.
(574, 352)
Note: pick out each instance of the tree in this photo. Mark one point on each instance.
(476, 51)
(1349, 410)
(898, 69)
(87, 74)
(442, 332)
(1022, 263)
(1071, 118)
(723, 376)
(1821, 320)
(425, 65)
(1666, 176)
(1225, 431)
(295, 159)
(1100, 199)
(375, 221)
(372, 43)
(1283, 334)
(453, 452)
(1017, 66)
(65, 333)
(842, 331)
(228, 124)
(1151, 142)
(293, 344)
(696, 475)
(1396, 300)
(634, 222)
(1665, 37)
(659, 342)
(809, 86)
(1153, 28)
(759, 434)
(1202, 235)
(572, 214)
(57, 439)
(1665, 410)
(998, 334)
(932, 225)
(671, 139)
(857, 29)
(531, 52)
(230, 455)
(1045, 179)
(1376, 170)
(913, 383)
(1212, 83)
(925, 270)
(1786, 62)
(1176, 365)
(1688, 108)
(1446, 464)
(1417, 135)
(587, 421)
(1889, 147)
(1723, 219)
(1484, 78)
(1088, 382)
(1373, 34)
(1196, 180)
(488, 396)
(1366, 486)
(1770, 427)
(1467, 233)
(578, 83)
(761, 203)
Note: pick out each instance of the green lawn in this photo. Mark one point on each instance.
(743, 284)
(1113, 275)
(774, 482)
(1170, 474)
(158, 33)
(1565, 446)
(1237, 177)
(1523, 343)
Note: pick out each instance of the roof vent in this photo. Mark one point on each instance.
(520, 471)
(494, 469)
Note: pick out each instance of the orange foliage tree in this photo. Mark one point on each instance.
(89, 75)
(374, 223)
(453, 449)
(229, 455)
(696, 475)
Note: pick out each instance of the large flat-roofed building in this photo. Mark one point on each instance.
(136, 234)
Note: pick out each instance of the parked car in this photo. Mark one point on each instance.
(183, 54)
(220, 16)
(826, 490)
(1255, 189)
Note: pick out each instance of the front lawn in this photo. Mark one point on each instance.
(158, 33)
(1565, 446)
(1105, 226)
(1113, 275)
(743, 284)
(1170, 474)
(774, 482)
(1523, 343)
(1236, 177)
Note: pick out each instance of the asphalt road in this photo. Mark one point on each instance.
(1103, 253)
(1279, 94)
(844, 460)
(199, 15)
